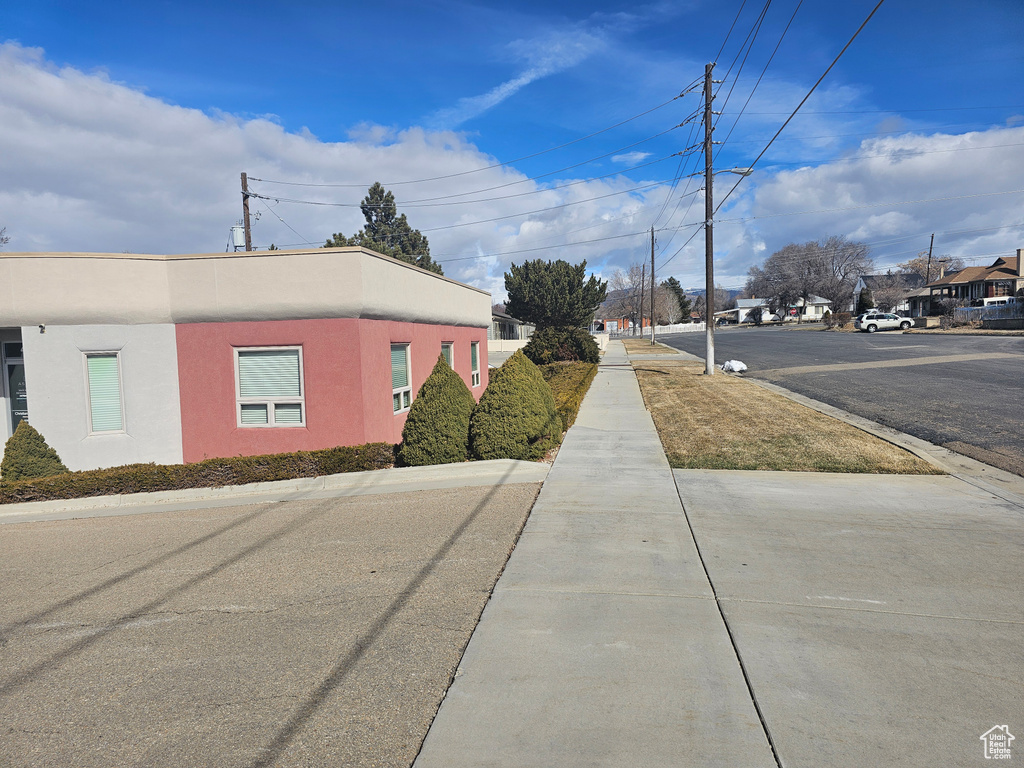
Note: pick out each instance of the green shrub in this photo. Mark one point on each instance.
(27, 456)
(211, 473)
(516, 416)
(437, 428)
(569, 383)
(559, 344)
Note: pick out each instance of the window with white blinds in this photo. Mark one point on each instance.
(401, 380)
(269, 387)
(104, 379)
(474, 359)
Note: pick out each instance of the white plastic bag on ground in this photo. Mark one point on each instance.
(733, 366)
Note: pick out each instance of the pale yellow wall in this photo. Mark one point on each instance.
(82, 288)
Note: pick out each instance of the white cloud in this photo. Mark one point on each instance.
(891, 193)
(94, 165)
(631, 158)
(546, 55)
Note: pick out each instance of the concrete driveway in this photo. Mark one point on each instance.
(317, 632)
(879, 620)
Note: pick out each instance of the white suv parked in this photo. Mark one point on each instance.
(881, 321)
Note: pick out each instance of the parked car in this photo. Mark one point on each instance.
(881, 321)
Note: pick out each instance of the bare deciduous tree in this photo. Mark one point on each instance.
(828, 268)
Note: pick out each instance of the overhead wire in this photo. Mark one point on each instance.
(802, 102)
(488, 167)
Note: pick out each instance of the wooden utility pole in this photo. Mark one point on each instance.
(652, 286)
(643, 288)
(928, 270)
(709, 249)
(245, 212)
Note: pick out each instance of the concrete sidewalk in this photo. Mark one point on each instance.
(602, 643)
(782, 619)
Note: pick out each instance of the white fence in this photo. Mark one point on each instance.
(660, 330)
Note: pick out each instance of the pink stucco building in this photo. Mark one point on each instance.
(123, 358)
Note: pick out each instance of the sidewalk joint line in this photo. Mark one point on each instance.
(728, 630)
(869, 610)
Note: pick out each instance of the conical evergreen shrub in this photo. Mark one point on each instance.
(516, 416)
(437, 428)
(27, 456)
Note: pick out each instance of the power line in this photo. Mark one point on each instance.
(488, 167)
(875, 205)
(802, 102)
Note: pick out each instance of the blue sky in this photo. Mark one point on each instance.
(124, 126)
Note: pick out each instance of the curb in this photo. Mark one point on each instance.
(1005, 485)
(398, 480)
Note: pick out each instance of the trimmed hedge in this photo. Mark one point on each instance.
(139, 478)
(27, 456)
(516, 416)
(437, 428)
(569, 384)
(553, 345)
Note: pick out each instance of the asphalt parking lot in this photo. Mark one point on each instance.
(965, 393)
(319, 632)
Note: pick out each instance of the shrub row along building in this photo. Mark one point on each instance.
(124, 358)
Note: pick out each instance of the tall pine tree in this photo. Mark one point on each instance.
(388, 233)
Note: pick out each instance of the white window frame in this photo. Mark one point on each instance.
(270, 402)
(404, 393)
(475, 373)
(450, 357)
(116, 354)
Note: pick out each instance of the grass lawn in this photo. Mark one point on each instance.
(723, 422)
(640, 346)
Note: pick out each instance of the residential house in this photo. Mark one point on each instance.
(124, 358)
(504, 327)
(972, 285)
(814, 310)
(910, 283)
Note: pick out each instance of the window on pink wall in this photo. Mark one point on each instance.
(447, 350)
(474, 359)
(268, 385)
(401, 380)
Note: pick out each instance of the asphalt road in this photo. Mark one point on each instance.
(316, 632)
(963, 392)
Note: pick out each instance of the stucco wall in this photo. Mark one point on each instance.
(82, 288)
(57, 393)
(346, 380)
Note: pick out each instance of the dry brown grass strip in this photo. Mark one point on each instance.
(640, 346)
(723, 422)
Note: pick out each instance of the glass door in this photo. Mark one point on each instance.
(15, 391)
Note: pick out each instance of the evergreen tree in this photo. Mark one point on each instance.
(864, 301)
(553, 294)
(684, 302)
(388, 233)
(27, 456)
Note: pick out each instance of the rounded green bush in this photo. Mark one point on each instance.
(27, 456)
(560, 344)
(516, 416)
(437, 428)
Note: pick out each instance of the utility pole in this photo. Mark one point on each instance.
(652, 286)
(928, 271)
(245, 212)
(709, 211)
(643, 288)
